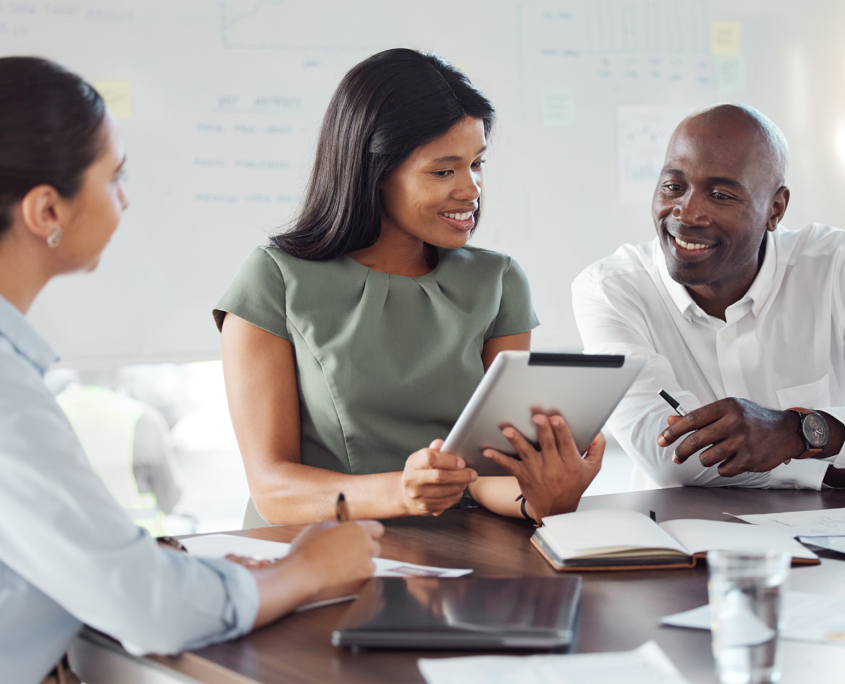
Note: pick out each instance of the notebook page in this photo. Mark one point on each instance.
(587, 533)
(700, 536)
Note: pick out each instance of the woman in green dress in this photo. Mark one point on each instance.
(356, 337)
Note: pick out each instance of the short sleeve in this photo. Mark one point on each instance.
(516, 313)
(257, 294)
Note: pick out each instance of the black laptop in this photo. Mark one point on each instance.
(534, 613)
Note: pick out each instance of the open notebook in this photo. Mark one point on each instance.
(606, 539)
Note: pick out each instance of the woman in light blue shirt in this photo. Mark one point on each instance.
(68, 553)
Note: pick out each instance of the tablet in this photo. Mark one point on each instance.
(467, 613)
(583, 388)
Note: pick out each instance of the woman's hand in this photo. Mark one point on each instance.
(339, 556)
(434, 480)
(554, 478)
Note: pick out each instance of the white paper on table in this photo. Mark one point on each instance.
(221, 545)
(647, 664)
(821, 523)
(807, 617)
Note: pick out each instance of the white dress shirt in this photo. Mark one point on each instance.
(68, 553)
(781, 345)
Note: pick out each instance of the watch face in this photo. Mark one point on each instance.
(814, 428)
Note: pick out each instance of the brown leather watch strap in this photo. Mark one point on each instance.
(809, 453)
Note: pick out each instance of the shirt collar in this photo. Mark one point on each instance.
(24, 338)
(760, 289)
(758, 293)
(686, 305)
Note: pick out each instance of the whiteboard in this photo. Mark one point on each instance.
(222, 100)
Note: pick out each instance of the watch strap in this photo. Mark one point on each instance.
(808, 452)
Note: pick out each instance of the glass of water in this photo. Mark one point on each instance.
(746, 592)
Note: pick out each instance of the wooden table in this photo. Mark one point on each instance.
(619, 610)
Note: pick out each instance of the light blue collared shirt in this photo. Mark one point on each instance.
(68, 553)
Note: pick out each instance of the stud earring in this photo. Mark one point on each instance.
(54, 238)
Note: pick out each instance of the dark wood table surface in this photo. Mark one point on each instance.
(619, 610)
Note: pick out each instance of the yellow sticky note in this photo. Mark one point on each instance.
(558, 106)
(118, 97)
(725, 38)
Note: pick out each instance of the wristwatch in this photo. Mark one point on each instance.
(813, 432)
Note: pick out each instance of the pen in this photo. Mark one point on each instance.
(680, 410)
(172, 541)
(342, 508)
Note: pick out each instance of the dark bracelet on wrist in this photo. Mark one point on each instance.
(525, 513)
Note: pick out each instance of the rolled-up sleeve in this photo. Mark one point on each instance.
(64, 534)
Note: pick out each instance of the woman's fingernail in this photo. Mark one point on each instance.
(661, 441)
(461, 463)
(557, 421)
(508, 432)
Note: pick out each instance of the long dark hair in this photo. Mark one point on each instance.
(50, 130)
(384, 108)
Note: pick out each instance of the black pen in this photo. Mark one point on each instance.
(342, 509)
(172, 541)
(680, 410)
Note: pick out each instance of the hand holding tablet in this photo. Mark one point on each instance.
(582, 388)
(553, 477)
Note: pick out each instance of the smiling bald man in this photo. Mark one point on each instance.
(742, 321)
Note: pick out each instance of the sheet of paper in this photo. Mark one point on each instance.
(118, 97)
(821, 523)
(646, 665)
(220, 545)
(558, 106)
(731, 73)
(725, 38)
(808, 617)
(642, 134)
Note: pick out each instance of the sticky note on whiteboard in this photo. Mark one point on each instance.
(725, 38)
(558, 106)
(730, 71)
(118, 97)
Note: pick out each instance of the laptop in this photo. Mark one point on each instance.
(467, 613)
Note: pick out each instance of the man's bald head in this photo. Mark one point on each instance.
(721, 188)
(729, 117)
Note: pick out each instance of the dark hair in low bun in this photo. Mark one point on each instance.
(384, 108)
(50, 130)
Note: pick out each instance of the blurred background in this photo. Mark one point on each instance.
(220, 101)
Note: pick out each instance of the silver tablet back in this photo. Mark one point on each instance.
(583, 388)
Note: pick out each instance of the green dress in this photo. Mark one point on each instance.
(384, 363)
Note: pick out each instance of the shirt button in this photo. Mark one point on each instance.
(726, 335)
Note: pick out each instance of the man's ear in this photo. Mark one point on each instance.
(779, 204)
(40, 209)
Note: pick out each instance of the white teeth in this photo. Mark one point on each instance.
(689, 245)
(458, 217)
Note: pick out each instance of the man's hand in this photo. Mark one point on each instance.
(742, 436)
(552, 479)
